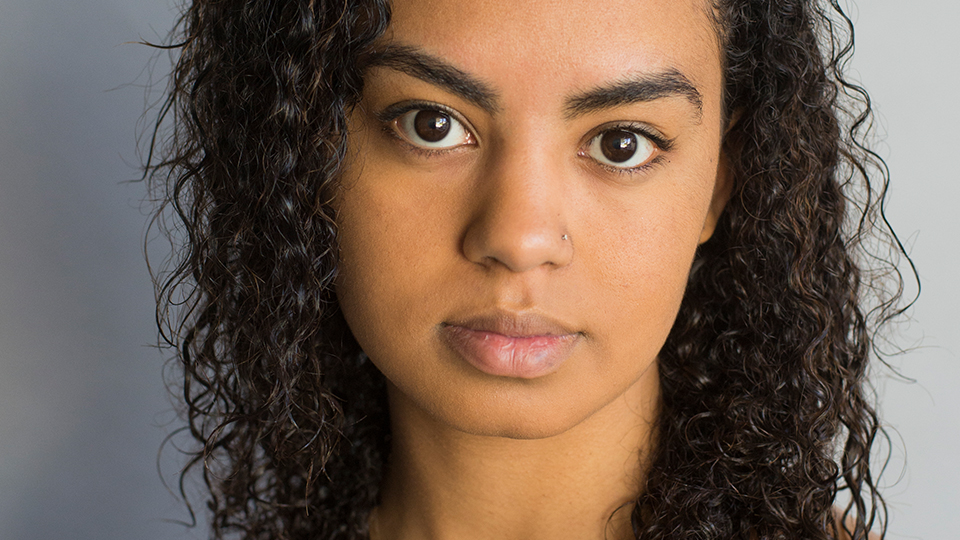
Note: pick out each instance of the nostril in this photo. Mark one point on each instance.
(516, 247)
(518, 218)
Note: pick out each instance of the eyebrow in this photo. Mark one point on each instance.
(432, 70)
(632, 89)
(636, 89)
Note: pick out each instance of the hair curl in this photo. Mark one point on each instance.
(764, 412)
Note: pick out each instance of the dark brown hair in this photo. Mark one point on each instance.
(765, 415)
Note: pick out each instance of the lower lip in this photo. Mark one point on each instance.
(525, 357)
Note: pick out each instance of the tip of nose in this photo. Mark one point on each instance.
(520, 252)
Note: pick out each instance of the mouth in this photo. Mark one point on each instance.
(523, 346)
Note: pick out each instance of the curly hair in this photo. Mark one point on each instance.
(765, 412)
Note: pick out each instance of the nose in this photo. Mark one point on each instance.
(519, 221)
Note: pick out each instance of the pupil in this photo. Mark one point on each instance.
(431, 126)
(618, 146)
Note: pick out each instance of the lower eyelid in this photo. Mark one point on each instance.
(394, 124)
(656, 149)
(656, 161)
(390, 129)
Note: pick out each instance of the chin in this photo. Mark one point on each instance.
(509, 408)
(513, 426)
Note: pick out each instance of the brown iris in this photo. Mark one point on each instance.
(431, 126)
(618, 145)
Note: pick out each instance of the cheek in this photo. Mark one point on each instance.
(638, 265)
(390, 242)
(374, 248)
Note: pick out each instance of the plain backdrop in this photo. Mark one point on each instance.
(82, 407)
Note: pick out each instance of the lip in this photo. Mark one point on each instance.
(523, 346)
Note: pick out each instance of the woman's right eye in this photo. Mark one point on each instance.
(432, 129)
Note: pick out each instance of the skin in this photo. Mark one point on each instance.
(430, 238)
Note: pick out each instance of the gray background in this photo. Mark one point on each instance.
(82, 408)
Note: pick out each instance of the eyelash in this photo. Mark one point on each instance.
(388, 116)
(661, 143)
(391, 114)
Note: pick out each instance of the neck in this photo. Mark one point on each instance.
(445, 484)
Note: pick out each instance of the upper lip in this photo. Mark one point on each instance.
(513, 324)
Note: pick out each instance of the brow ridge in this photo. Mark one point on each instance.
(636, 89)
(644, 87)
(428, 68)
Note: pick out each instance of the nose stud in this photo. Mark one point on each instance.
(565, 237)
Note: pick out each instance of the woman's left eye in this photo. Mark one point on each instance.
(621, 149)
(432, 129)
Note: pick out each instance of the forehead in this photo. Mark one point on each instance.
(534, 45)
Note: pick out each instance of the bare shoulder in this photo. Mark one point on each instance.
(870, 536)
(838, 516)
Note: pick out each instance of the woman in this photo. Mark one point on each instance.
(499, 270)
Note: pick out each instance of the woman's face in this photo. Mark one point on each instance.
(526, 188)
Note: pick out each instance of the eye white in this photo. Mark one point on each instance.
(431, 128)
(621, 149)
